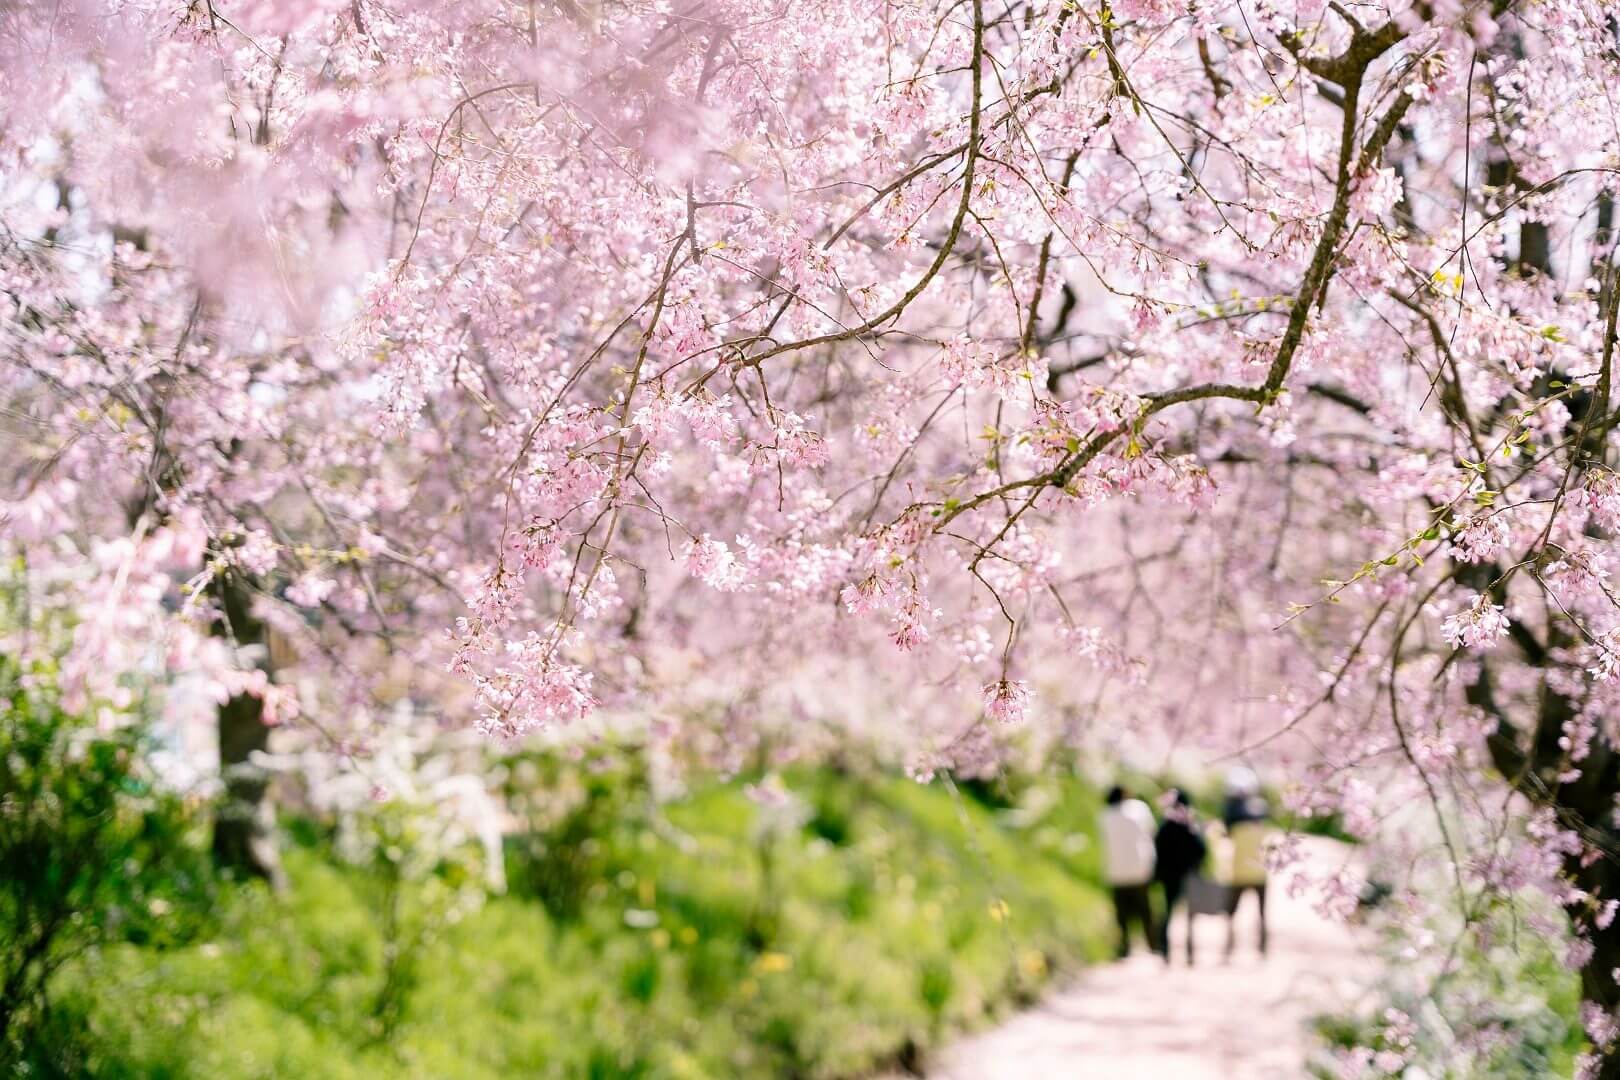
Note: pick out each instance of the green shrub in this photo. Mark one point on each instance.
(1515, 991)
(92, 852)
(572, 810)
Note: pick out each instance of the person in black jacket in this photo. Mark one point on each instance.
(1180, 849)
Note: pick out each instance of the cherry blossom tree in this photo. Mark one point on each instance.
(1228, 373)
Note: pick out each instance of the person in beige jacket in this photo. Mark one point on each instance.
(1250, 834)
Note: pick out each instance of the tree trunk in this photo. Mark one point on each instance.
(1531, 762)
(244, 823)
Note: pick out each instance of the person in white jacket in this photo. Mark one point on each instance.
(1128, 860)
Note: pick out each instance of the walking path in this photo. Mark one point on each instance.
(1137, 1020)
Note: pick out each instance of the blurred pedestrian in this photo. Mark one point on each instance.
(1128, 860)
(1179, 851)
(1248, 825)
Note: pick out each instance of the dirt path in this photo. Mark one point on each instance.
(1216, 1021)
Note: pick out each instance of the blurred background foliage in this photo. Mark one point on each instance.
(813, 922)
(1524, 1001)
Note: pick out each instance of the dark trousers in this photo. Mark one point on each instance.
(1132, 903)
(1235, 896)
(1173, 888)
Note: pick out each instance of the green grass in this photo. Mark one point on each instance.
(679, 945)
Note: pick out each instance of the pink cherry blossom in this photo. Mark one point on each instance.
(1227, 372)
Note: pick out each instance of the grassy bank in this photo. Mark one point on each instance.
(841, 932)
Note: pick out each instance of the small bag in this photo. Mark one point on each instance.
(1206, 897)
